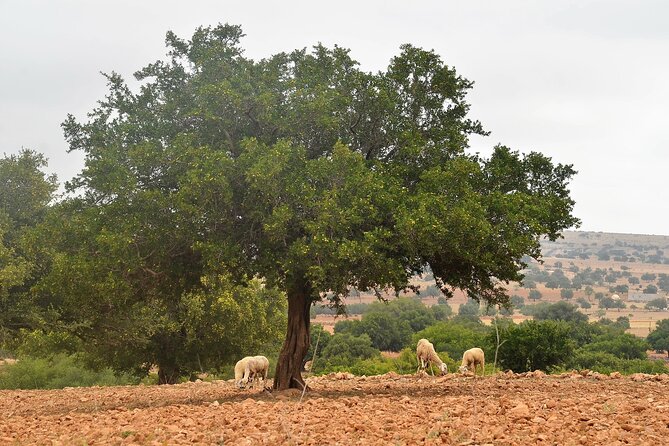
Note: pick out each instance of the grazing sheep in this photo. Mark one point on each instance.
(250, 369)
(426, 355)
(470, 359)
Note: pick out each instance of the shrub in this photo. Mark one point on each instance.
(603, 362)
(453, 337)
(56, 372)
(535, 345)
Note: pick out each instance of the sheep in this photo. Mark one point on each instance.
(250, 369)
(471, 358)
(426, 355)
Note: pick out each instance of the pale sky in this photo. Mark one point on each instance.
(584, 82)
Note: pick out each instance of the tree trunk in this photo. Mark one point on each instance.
(289, 365)
(167, 375)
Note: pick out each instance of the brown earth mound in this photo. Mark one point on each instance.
(505, 409)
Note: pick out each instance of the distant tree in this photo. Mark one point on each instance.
(470, 308)
(534, 295)
(663, 282)
(624, 322)
(650, 289)
(441, 312)
(589, 291)
(560, 311)
(621, 289)
(648, 276)
(566, 294)
(657, 304)
(529, 283)
(599, 295)
(607, 302)
(659, 338)
(517, 301)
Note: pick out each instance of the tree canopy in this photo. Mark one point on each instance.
(300, 169)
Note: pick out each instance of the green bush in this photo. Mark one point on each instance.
(453, 337)
(603, 362)
(56, 372)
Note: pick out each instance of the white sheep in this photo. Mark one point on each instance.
(251, 368)
(426, 355)
(471, 358)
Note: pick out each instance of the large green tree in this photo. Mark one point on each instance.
(25, 195)
(309, 172)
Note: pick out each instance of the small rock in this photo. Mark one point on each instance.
(521, 410)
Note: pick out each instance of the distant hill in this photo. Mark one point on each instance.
(609, 247)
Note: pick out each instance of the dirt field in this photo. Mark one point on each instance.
(388, 410)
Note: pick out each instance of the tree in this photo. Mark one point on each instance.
(534, 295)
(659, 338)
(469, 308)
(25, 194)
(566, 294)
(657, 304)
(304, 170)
(560, 311)
(533, 345)
(517, 301)
(608, 302)
(650, 289)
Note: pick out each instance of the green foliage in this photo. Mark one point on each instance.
(650, 289)
(470, 308)
(566, 294)
(25, 193)
(560, 311)
(441, 312)
(453, 337)
(659, 338)
(298, 168)
(534, 295)
(390, 325)
(583, 303)
(534, 345)
(602, 362)
(607, 302)
(648, 276)
(56, 372)
(342, 350)
(531, 310)
(320, 339)
(657, 304)
(621, 345)
(517, 301)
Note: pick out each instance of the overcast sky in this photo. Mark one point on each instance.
(584, 82)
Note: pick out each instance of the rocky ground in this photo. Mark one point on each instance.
(505, 409)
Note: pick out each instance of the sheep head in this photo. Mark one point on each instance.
(463, 369)
(443, 368)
